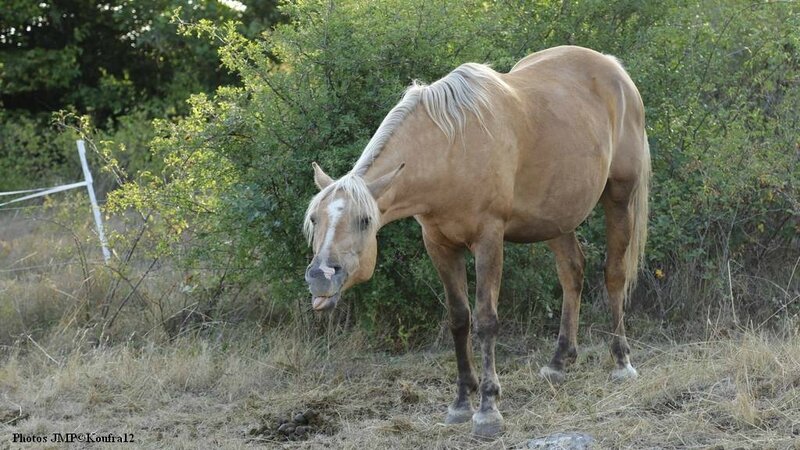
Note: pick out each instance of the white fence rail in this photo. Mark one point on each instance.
(88, 182)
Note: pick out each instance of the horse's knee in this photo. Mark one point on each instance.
(460, 318)
(486, 325)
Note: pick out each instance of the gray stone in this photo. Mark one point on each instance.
(562, 441)
(287, 428)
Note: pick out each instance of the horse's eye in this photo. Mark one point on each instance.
(363, 223)
(313, 220)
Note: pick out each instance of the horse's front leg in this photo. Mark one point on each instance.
(450, 264)
(488, 421)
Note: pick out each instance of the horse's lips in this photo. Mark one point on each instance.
(324, 303)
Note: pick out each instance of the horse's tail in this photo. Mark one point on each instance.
(634, 254)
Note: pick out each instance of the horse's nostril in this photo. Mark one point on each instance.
(322, 271)
(313, 272)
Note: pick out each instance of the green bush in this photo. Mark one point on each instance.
(34, 149)
(121, 64)
(719, 80)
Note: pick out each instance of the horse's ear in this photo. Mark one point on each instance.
(321, 178)
(379, 186)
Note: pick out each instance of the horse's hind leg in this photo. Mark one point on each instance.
(619, 228)
(570, 263)
(451, 266)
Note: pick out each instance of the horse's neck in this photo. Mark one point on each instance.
(415, 144)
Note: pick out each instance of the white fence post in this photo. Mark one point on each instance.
(98, 220)
(87, 175)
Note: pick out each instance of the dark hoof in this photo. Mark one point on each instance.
(552, 376)
(487, 425)
(455, 415)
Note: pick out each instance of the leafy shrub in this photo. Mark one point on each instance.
(33, 149)
(121, 64)
(718, 79)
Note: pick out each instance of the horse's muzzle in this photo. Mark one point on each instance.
(325, 283)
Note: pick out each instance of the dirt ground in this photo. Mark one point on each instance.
(234, 391)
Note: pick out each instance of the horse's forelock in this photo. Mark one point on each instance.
(358, 197)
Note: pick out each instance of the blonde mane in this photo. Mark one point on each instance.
(447, 101)
(467, 89)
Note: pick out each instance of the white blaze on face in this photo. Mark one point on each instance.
(335, 210)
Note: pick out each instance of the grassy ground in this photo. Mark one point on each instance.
(231, 384)
(230, 391)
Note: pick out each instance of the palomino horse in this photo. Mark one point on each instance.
(480, 157)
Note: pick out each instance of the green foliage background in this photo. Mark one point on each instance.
(120, 62)
(719, 80)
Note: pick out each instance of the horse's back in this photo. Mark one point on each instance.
(586, 75)
(581, 123)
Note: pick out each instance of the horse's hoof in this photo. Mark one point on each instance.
(624, 373)
(455, 415)
(487, 425)
(552, 376)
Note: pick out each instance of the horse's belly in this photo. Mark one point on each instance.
(545, 212)
(531, 230)
(541, 225)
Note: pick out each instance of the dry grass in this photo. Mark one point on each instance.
(228, 384)
(737, 392)
(53, 280)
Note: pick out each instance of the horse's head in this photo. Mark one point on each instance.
(341, 225)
